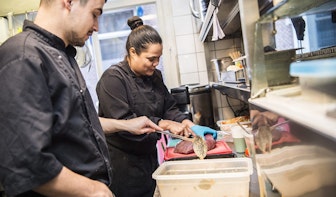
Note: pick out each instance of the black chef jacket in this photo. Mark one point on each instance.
(123, 95)
(47, 117)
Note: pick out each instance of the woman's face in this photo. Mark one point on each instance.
(145, 63)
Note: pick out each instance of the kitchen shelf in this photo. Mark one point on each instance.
(264, 72)
(291, 8)
(237, 91)
(292, 105)
(228, 16)
(310, 111)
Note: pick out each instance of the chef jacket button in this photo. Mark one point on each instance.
(59, 57)
(81, 91)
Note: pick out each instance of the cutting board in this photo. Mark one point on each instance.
(221, 150)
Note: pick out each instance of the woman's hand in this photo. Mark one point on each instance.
(176, 127)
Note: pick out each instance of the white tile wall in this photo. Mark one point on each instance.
(201, 62)
(198, 44)
(187, 63)
(190, 51)
(189, 78)
(180, 7)
(203, 77)
(183, 25)
(185, 44)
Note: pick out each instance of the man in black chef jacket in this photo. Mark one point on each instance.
(52, 142)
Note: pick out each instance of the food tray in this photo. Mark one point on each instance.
(225, 125)
(221, 150)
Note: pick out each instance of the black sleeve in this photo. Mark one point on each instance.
(26, 121)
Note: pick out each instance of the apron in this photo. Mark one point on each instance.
(135, 161)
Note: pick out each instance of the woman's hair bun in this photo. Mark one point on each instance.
(134, 22)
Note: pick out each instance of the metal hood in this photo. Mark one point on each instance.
(228, 17)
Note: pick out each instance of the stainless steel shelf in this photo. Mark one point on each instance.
(291, 104)
(290, 8)
(236, 91)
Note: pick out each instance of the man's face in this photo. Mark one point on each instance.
(84, 20)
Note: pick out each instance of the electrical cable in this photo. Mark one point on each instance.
(240, 111)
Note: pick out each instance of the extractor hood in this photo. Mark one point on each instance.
(228, 17)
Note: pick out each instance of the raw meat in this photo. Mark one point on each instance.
(186, 147)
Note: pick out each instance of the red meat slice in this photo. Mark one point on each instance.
(186, 147)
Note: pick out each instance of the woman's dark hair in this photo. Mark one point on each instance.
(141, 35)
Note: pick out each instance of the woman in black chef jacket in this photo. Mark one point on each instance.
(132, 88)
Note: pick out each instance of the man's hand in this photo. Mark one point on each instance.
(137, 126)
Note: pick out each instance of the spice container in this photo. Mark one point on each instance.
(238, 139)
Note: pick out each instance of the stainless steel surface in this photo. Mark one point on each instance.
(237, 91)
(277, 67)
(198, 8)
(286, 9)
(220, 65)
(290, 8)
(228, 17)
(201, 104)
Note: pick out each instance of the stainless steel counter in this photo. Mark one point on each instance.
(234, 90)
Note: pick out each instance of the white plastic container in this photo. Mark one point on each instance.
(290, 167)
(317, 78)
(238, 139)
(209, 177)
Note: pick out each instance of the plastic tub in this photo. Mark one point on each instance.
(289, 168)
(317, 78)
(209, 177)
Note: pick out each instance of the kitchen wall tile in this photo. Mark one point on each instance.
(185, 44)
(212, 55)
(198, 44)
(203, 77)
(187, 63)
(227, 44)
(210, 46)
(201, 63)
(224, 44)
(180, 7)
(238, 42)
(183, 25)
(189, 78)
(223, 53)
(197, 24)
